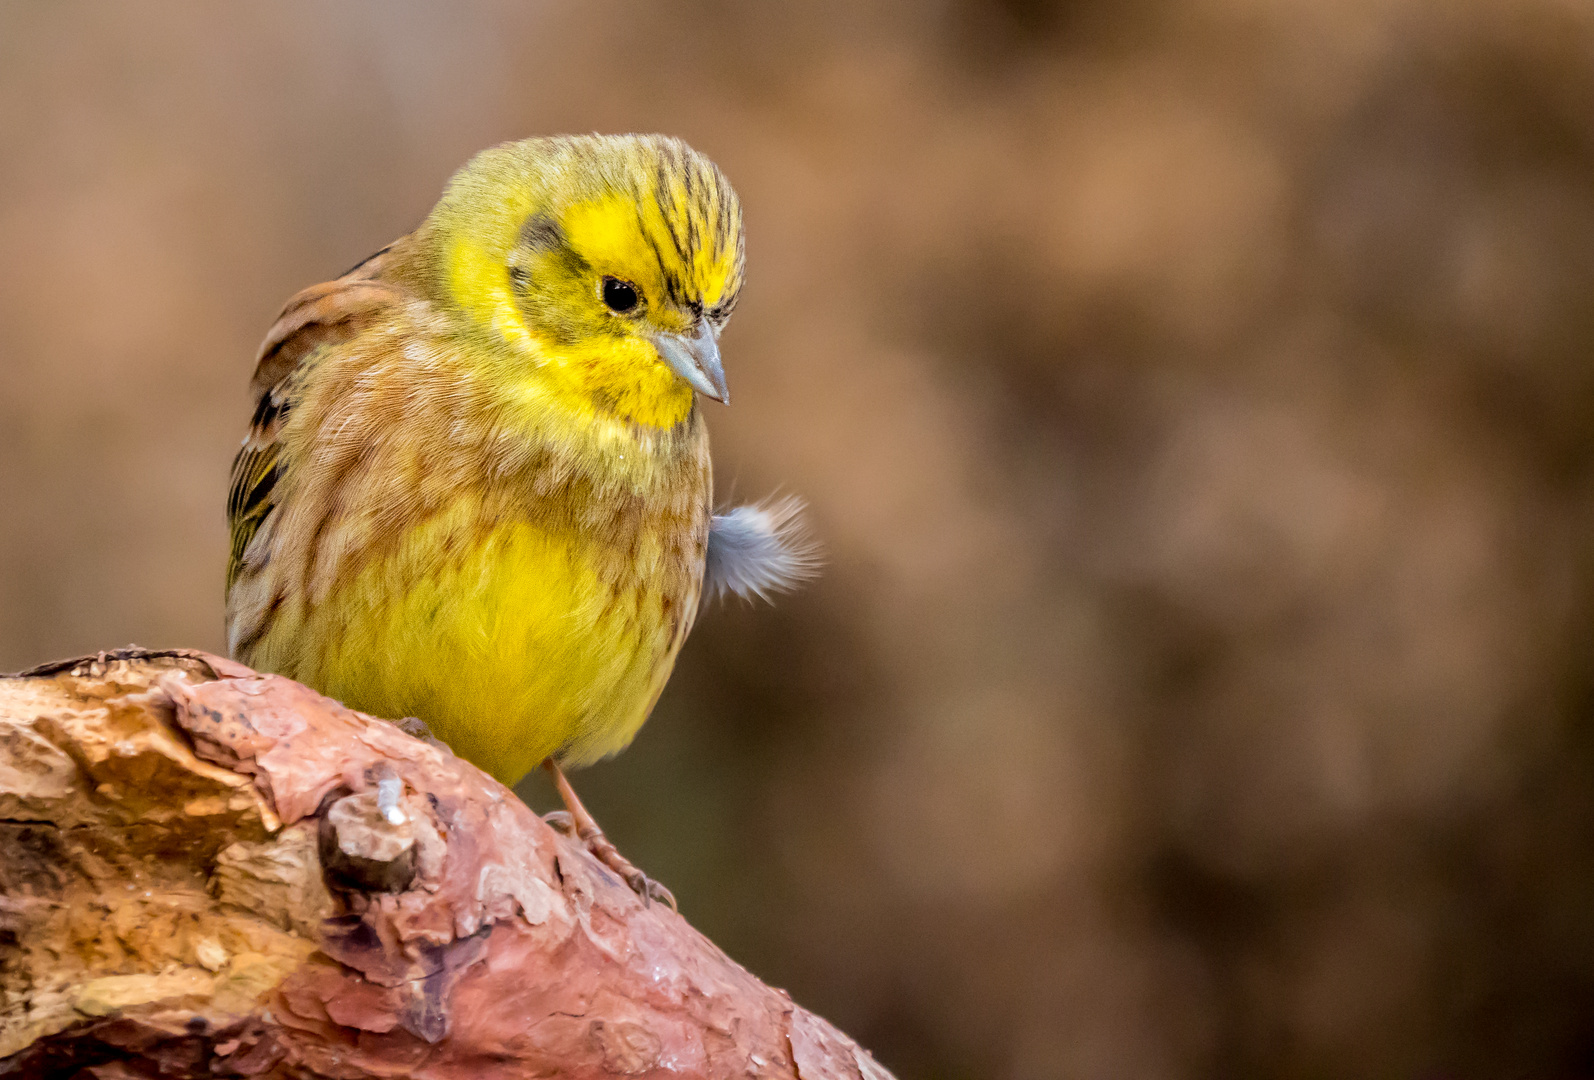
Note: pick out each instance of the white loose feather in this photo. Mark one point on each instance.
(759, 550)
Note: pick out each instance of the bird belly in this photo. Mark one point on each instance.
(523, 644)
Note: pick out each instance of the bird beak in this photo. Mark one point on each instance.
(696, 359)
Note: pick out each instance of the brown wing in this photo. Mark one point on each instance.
(319, 317)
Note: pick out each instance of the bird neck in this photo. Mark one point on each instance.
(612, 381)
(559, 412)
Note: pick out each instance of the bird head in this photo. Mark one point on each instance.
(611, 262)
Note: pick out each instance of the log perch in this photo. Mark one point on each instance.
(207, 872)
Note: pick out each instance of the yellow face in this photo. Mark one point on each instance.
(628, 267)
(622, 263)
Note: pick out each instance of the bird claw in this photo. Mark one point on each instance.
(561, 822)
(606, 853)
(648, 889)
(416, 728)
(656, 891)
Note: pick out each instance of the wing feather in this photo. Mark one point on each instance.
(315, 319)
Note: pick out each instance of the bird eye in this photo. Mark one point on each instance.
(619, 295)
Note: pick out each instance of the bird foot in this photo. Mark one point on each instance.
(416, 728)
(578, 824)
(603, 849)
(605, 852)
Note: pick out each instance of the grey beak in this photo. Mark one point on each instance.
(696, 359)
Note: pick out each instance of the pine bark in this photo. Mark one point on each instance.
(208, 872)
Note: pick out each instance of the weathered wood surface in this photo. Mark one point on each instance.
(200, 876)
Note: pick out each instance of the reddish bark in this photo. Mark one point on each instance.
(197, 879)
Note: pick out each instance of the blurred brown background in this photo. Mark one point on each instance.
(1195, 399)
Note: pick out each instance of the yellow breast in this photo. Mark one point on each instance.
(520, 647)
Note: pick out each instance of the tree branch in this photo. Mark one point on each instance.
(209, 872)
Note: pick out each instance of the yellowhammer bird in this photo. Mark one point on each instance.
(476, 489)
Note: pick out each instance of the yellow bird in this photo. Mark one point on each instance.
(476, 489)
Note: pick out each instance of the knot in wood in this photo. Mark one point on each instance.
(366, 845)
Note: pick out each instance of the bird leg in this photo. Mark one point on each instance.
(602, 849)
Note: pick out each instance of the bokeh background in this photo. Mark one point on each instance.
(1195, 400)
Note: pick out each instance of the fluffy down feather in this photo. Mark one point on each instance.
(758, 550)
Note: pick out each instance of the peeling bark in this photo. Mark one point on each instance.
(209, 872)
